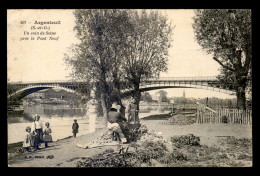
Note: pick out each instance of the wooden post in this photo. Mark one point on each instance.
(242, 116)
(239, 112)
(201, 116)
(220, 115)
(216, 117)
(197, 118)
(251, 117)
(235, 113)
(232, 116)
(221, 112)
(248, 118)
(248, 115)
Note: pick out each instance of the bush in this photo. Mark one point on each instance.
(244, 157)
(243, 142)
(173, 157)
(189, 139)
(222, 156)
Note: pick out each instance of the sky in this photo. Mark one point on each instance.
(40, 60)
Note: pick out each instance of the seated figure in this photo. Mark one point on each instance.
(118, 123)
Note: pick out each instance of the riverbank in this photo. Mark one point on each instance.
(61, 127)
(60, 153)
(215, 139)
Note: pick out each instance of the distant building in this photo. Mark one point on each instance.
(36, 95)
(171, 100)
(50, 93)
(183, 93)
(64, 94)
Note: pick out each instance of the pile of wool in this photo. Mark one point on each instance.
(136, 154)
(106, 137)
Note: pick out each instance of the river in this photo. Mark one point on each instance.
(61, 119)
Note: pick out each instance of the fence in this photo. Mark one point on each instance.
(208, 115)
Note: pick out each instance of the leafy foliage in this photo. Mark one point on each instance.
(227, 35)
(185, 140)
(162, 96)
(118, 47)
(146, 97)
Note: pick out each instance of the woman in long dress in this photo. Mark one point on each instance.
(37, 129)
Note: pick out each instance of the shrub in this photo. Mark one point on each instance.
(243, 156)
(243, 142)
(222, 156)
(173, 157)
(189, 139)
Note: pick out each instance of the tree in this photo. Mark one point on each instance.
(227, 35)
(95, 58)
(119, 47)
(148, 38)
(11, 89)
(146, 97)
(162, 96)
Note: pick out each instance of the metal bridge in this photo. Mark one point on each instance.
(204, 82)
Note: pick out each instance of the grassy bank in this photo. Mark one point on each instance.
(184, 153)
(160, 145)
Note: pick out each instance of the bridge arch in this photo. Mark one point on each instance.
(204, 82)
(155, 86)
(21, 93)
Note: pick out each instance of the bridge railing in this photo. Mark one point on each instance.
(202, 78)
(44, 81)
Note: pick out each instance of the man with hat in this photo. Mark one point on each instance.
(117, 122)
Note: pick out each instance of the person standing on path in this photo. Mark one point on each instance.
(37, 130)
(28, 139)
(75, 128)
(47, 134)
(132, 112)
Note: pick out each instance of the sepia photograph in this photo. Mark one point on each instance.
(127, 88)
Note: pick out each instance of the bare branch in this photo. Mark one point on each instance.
(226, 67)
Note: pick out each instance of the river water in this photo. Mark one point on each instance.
(61, 119)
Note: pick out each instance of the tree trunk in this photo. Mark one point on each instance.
(118, 94)
(137, 97)
(122, 109)
(104, 107)
(241, 98)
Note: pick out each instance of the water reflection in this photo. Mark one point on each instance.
(53, 110)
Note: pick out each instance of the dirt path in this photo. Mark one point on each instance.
(64, 152)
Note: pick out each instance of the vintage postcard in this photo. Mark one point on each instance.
(129, 87)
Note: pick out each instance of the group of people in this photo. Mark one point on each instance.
(118, 124)
(36, 135)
